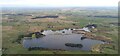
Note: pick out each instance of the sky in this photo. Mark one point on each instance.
(58, 3)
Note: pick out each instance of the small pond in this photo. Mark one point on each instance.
(57, 40)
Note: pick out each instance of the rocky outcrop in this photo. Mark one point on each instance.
(78, 31)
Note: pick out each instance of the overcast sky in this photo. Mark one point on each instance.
(58, 3)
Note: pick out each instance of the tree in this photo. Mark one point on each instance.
(33, 36)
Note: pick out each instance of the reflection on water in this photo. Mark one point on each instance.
(50, 32)
(57, 41)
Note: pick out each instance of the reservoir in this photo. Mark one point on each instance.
(58, 39)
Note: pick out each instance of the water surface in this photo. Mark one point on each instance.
(57, 41)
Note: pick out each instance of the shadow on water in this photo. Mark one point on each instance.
(82, 38)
